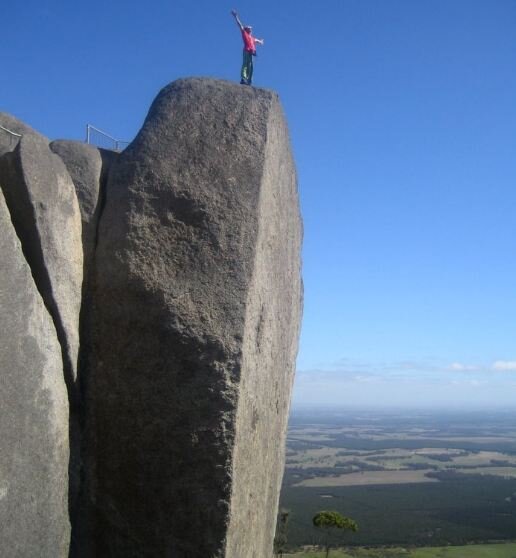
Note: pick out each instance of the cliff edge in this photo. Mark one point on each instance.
(191, 308)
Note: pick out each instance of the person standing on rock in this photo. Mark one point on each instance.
(250, 42)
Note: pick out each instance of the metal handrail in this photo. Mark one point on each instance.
(117, 143)
(89, 127)
(10, 131)
(13, 136)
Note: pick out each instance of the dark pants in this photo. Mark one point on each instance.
(247, 68)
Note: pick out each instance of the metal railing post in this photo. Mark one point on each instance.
(115, 143)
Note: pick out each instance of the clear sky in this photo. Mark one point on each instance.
(403, 123)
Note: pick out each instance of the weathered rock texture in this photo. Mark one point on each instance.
(9, 141)
(33, 414)
(269, 349)
(88, 167)
(195, 323)
(45, 212)
(162, 286)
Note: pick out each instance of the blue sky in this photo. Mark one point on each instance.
(403, 126)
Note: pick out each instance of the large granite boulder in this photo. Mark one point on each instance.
(45, 212)
(11, 129)
(195, 324)
(33, 414)
(88, 167)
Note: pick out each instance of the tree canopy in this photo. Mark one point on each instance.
(334, 520)
(329, 520)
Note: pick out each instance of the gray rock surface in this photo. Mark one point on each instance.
(8, 124)
(195, 323)
(269, 350)
(88, 167)
(33, 414)
(45, 212)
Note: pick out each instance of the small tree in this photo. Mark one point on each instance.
(329, 521)
(280, 540)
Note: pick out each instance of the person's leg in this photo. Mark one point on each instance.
(243, 71)
(250, 70)
(247, 68)
(246, 74)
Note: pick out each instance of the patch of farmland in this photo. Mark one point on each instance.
(483, 458)
(506, 472)
(369, 478)
(430, 451)
(499, 550)
(320, 457)
(311, 437)
(470, 551)
(400, 458)
(473, 439)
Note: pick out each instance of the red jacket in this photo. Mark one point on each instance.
(249, 41)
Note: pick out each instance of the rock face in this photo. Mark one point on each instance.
(151, 305)
(195, 323)
(33, 414)
(45, 212)
(269, 350)
(10, 131)
(88, 167)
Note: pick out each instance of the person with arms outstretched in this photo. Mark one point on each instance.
(250, 42)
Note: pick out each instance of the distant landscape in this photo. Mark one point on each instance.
(501, 550)
(410, 479)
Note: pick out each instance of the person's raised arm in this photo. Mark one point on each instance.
(239, 23)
